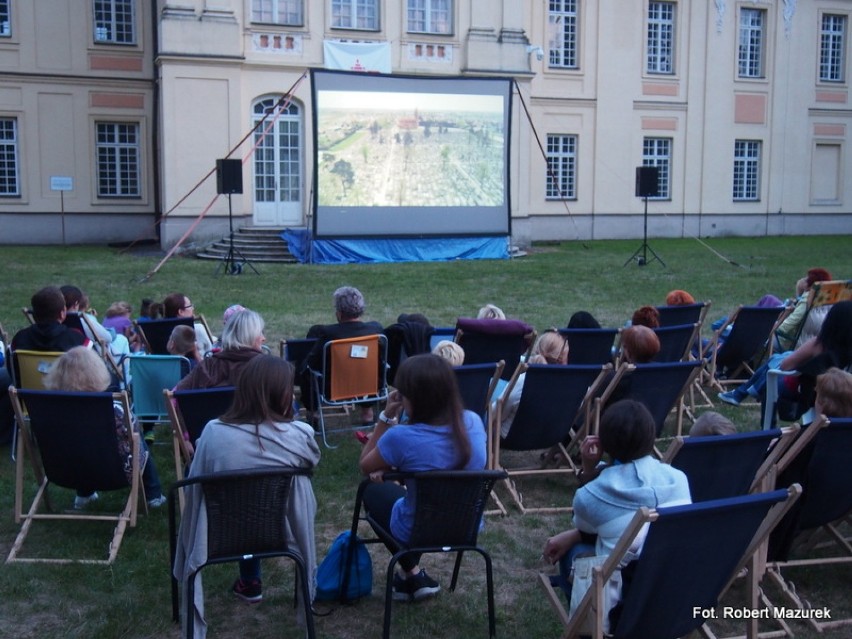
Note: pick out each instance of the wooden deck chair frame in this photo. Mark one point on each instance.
(827, 529)
(353, 372)
(591, 606)
(556, 459)
(28, 449)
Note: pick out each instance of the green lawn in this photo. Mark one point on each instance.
(131, 598)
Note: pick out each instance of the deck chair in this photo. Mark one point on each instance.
(551, 417)
(590, 345)
(440, 333)
(676, 342)
(71, 441)
(247, 515)
(676, 572)
(825, 293)
(155, 333)
(353, 372)
(826, 502)
(189, 411)
(29, 367)
(683, 314)
(734, 358)
(661, 386)
(490, 340)
(447, 518)
(476, 385)
(729, 465)
(80, 322)
(149, 375)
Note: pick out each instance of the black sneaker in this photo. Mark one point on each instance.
(401, 588)
(422, 586)
(248, 591)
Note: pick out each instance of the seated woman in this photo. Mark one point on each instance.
(182, 342)
(646, 316)
(583, 319)
(611, 492)
(242, 340)
(679, 297)
(639, 345)
(178, 305)
(81, 370)
(76, 301)
(440, 435)
(490, 311)
(450, 351)
(550, 348)
(258, 431)
(117, 319)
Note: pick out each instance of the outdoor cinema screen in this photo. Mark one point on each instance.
(398, 156)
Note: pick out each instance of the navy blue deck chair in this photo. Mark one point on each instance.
(296, 351)
(551, 416)
(447, 519)
(155, 333)
(817, 539)
(476, 385)
(490, 340)
(734, 358)
(590, 345)
(149, 376)
(247, 515)
(676, 342)
(440, 333)
(720, 466)
(661, 386)
(683, 314)
(688, 560)
(71, 441)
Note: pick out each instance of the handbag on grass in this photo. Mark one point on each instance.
(333, 566)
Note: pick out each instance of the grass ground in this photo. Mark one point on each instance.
(131, 598)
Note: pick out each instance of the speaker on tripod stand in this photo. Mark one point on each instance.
(229, 180)
(647, 185)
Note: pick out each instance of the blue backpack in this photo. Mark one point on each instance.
(330, 571)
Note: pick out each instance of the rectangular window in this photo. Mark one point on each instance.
(286, 12)
(561, 167)
(430, 16)
(750, 54)
(118, 159)
(658, 152)
(562, 26)
(661, 24)
(832, 48)
(355, 14)
(114, 21)
(747, 170)
(10, 184)
(5, 19)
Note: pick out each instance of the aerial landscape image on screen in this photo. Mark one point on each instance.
(410, 149)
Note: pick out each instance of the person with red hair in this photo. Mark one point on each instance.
(646, 316)
(678, 297)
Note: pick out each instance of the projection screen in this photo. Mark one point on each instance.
(401, 156)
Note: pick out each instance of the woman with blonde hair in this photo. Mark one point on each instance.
(82, 370)
(490, 311)
(450, 351)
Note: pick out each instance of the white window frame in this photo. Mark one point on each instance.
(271, 183)
(118, 155)
(114, 21)
(10, 177)
(5, 19)
(563, 25)
(660, 45)
(658, 152)
(289, 13)
(746, 183)
(362, 15)
(430, 16)
(561, 178)
(832, 47)
(751, 50)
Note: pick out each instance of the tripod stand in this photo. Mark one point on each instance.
(230, 263)
(642, 260)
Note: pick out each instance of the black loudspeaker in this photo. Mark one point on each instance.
(647, 181)
(229, 176)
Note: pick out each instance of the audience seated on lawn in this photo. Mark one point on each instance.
(611, 492)
(81, 370)
(258, 431)
(712, 423)
(76, 301)
(440, 435)
(242, 340)
(349, 307)
(551, 347)
(182, 342)
(48, 333)
(583, 319)
(179, 305)
(489, 311)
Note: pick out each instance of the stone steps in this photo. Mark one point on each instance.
(255, 244)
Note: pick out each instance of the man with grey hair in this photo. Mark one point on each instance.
(348, 308)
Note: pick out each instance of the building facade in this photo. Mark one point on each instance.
(113, 112)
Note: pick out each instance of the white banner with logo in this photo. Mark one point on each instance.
(367, 57)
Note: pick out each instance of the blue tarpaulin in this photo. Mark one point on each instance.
(308, 250)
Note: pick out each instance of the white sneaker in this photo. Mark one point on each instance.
(82, 502)
(156, 502)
